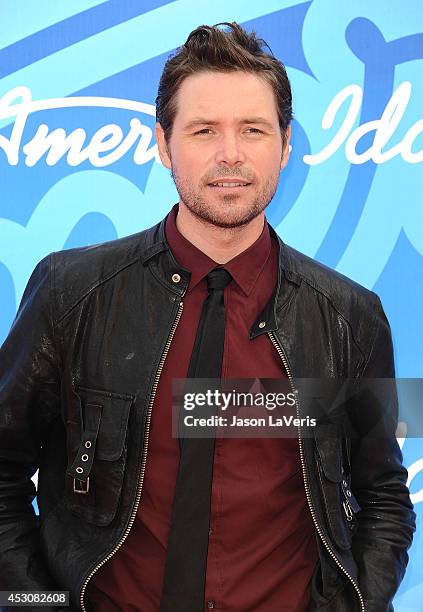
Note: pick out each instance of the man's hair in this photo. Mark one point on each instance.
(212, 48)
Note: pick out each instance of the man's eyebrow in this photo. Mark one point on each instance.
(204, 121)
(260, 120)
(199, 121)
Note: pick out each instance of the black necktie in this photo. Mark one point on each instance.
(185, 569)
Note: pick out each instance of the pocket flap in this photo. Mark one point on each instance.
(114, 420)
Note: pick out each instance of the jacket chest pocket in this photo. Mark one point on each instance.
(340, 505)
(97, 450)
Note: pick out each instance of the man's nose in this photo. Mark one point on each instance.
(229, 150)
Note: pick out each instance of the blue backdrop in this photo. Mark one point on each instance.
(79, 165)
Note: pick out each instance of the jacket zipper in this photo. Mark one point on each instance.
(284, 359)
(144, 458)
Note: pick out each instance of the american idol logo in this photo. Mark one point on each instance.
(109, 143)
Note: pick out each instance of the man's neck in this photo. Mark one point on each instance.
(219, 243)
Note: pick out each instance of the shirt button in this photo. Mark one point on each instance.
(210, 531)
(211, 605)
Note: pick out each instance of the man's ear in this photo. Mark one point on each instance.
(285, 149)
(162, 145)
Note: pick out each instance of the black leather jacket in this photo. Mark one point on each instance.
(78, 375)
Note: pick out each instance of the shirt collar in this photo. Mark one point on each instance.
(245, 268)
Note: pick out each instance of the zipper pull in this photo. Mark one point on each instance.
(347, 510)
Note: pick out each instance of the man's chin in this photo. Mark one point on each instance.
(227, 213)
(227, 221)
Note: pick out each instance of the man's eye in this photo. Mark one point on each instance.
(254, 130)
(204, 131)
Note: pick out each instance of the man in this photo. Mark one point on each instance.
(86, 373)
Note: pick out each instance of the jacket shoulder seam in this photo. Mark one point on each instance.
(86, 292)
(336, 307)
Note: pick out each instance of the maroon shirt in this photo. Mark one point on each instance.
(262, 550)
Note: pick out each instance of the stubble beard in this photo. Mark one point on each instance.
(224, 218)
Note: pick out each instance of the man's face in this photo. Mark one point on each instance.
(225, 151)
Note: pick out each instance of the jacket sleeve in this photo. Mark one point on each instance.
(386, 522)
(29, 403)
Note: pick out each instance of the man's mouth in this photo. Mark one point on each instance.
(228, 184)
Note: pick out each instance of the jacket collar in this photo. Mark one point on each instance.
(286, 284)
(166, 270)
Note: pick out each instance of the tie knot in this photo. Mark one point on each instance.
(218, 278)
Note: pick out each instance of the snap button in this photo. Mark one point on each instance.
(176, 278)
(210, 605)
(87, 444)
(348, 493)
(262, 324)
(84, 457)
(79, 470)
